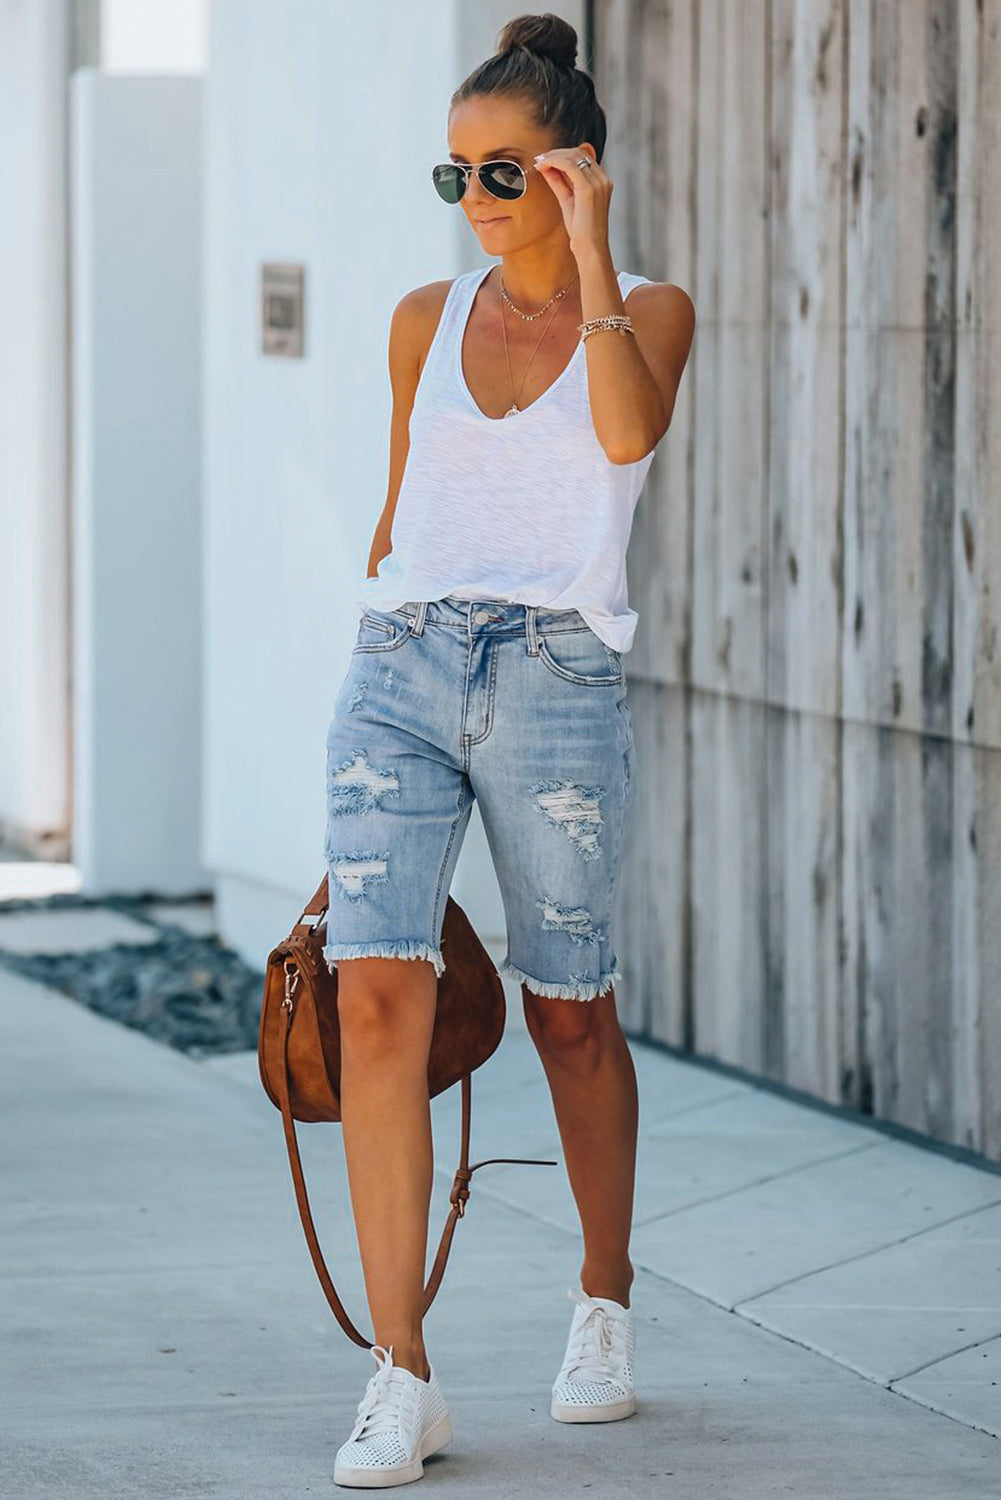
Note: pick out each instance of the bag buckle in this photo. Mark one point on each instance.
(460, 1191)
(290, 968)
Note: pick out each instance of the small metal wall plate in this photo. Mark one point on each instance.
(282, 309)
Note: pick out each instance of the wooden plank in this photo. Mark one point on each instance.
(904, 963)
(977, 531)
(802, 797)
(807, 131)
(977, 944)
(652, 902)
(898, 533)
(900, 365)
(974, 1001)
(729, 887)
(731, 384)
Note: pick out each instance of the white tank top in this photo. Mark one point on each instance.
(527, 509)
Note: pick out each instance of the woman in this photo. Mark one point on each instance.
(488, 665)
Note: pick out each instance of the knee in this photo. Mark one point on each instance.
(382, 1014)
(573, 1032)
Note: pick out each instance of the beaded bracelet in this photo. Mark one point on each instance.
(610, 320)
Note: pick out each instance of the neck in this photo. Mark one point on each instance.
(533, 275)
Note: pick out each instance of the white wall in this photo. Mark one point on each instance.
(34, 648)
(154, 36)
(137, 340)
(309, 109)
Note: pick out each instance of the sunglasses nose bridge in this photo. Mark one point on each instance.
(473, 183)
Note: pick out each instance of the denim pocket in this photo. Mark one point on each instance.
(382, 630)
(580, 656)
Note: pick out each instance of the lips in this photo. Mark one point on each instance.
(498, 219)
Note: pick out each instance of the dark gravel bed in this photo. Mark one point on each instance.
(191, 992)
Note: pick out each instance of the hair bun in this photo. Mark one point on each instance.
(548, 35)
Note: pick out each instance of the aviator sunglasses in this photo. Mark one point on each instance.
(503, 179)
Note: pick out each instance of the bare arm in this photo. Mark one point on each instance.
(633, 382)
(413, 326)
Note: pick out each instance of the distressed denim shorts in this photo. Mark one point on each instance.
(519, 707)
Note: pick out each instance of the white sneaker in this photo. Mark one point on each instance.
(401, 1419)
(595, 1382)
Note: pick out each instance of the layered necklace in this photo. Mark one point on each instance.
(528, 318)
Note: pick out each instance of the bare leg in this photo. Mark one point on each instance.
(386, 1009)
(593, 1086)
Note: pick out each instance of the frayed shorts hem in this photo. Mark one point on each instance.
(404, 948)
(579, 989)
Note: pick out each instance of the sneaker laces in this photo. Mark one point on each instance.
(379, 1408)
(595, 1341)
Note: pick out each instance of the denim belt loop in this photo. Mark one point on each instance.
(417, 628)
(530, 630)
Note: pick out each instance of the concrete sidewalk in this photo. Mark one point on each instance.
(818, 1305)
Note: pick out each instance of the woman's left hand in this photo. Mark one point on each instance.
(583, 194)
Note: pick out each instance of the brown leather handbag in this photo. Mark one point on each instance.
(299, 1055)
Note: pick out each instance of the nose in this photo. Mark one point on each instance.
(475, 192)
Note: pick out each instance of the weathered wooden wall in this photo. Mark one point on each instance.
(813, 888)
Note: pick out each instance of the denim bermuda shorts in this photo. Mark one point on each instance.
(519, 707)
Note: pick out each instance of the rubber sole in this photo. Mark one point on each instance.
(612, 1411)
(438, 1436)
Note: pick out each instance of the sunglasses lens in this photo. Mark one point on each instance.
(449, 181)
(505, 179)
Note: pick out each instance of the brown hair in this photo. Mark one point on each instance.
(536, 58)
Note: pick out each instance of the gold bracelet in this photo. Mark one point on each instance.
(611, 320)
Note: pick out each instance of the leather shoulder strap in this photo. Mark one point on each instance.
(457, 1197)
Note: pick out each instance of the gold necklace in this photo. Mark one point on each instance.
(528, 317)
(514, 408)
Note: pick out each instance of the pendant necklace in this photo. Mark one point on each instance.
(528, 318)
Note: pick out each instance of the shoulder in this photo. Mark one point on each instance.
(664, 305)
(420, 308)
(663, 317)
(415, 319)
